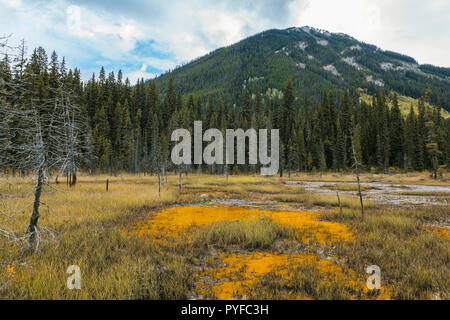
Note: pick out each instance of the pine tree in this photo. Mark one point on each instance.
(396, 134)
(137, 144)
(287, 120)
(346, 123)
(246, 106)
(163, 154)
(432, 145)
(293, 146)
(301, 150)
(410, 140)
(102, 145)
(210, 110)
(357, 143)
(341, 148)
(118, 138)
(383, 141)
(155, 144)
(199, 115)
(126, 145)
(421, 134)
(20, 62)
(258, 109)
(54, 76)
(169, 103)
(447, 148)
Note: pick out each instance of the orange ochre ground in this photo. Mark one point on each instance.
(442, 232)
(238, 272)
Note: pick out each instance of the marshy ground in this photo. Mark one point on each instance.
(243, 237)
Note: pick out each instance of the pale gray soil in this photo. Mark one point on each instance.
(382, 193)
(259, 204)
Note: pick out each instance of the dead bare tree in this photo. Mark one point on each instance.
(7, 214)
(339, 201)
(159, 182)
(356, 166)
(39, 135)
(226, 172)
(179, 176)
(76, 136)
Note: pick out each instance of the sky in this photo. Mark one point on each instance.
(146, 38)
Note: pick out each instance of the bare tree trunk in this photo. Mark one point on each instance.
(159, 182)
(357, 179)
(137, 168)
(32, 228)
(435, 162)
(226, 172)
(74, 178)
(339, 201)
(360, 194)
(179, 177)
(163, 175)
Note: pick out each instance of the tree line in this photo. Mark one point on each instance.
(119, 127)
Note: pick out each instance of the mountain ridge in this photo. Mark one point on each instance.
(315, 59)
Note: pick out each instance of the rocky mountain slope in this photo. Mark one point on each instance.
(315, 59)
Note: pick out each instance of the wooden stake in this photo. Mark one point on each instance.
(159, 183)
(339, 200)
(357, 179)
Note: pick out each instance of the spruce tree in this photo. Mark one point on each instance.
(287, 120)
(421, 133)
(396, 134)
(246, 106)
(410, 140)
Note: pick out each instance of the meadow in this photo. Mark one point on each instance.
(241, 237)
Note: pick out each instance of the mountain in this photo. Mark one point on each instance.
(315, 59)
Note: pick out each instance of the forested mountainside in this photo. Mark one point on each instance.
(50, 119)
(315, 59)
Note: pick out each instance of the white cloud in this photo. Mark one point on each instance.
(142, 73)
(113, 38)
(86, 31)
(436, 5)
(11, 3)
(161, 64)
(407, 27)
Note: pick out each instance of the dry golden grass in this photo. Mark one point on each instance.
(88, 222)
(322, 200)
(413, 258)
(250, 234)
(423, 178)
(99, 231)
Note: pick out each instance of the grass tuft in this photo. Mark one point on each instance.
(248, 234)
